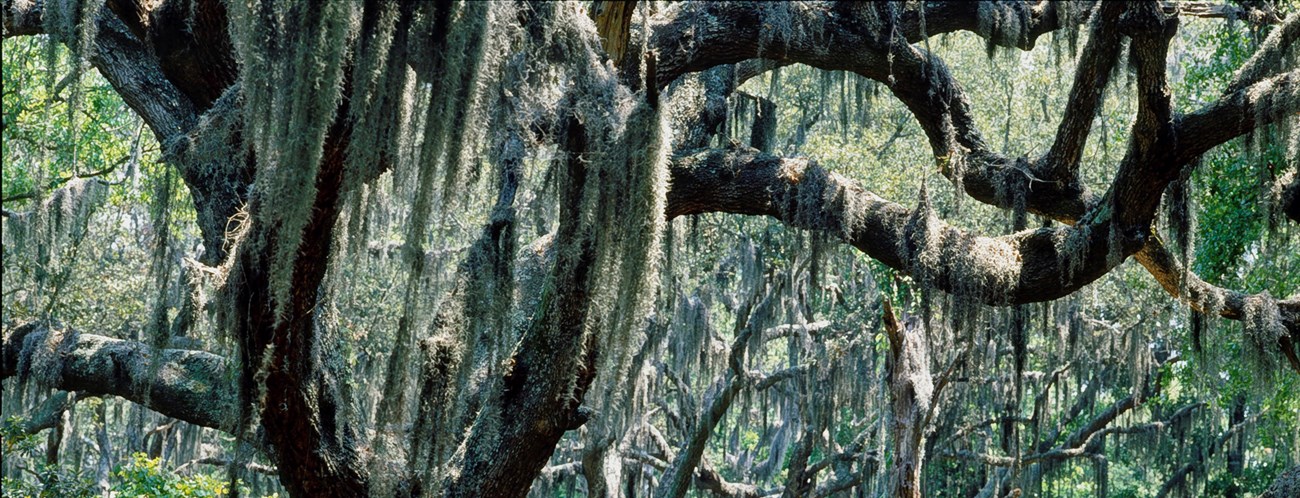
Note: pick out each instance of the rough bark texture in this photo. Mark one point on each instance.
(299, 402)
(188, 385)
(1287, 484)
(536, 406)
(1020, 268)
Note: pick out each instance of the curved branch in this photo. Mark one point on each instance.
(803, 33)
(1267, 101)
(1269, 58)
(1017, 23)
(1163, 142)
(1030, 266)
(1208, 298)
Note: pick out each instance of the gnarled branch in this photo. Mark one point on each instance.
(193, 386)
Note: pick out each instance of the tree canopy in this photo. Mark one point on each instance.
(647, 248)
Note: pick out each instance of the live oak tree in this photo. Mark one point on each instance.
(555, 151)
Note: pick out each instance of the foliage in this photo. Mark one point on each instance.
(51, 482)
(143, 476)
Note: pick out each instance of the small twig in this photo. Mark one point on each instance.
(255, 467)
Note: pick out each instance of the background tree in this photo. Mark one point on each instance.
(482, 249)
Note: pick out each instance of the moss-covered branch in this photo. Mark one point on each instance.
(193, 386)
(1030, 266)
(1096, 63)
(1163, 143)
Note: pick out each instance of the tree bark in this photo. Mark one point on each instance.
(188, 385)
(910, 389)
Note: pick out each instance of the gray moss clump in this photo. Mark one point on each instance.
(1073, 246)
(1263, 325)
(74, 23)
(973, 268)
(1002, 24)
(1271, 100)
(1269, 57)
(460, 60)
(53, 230)
(379, 98)
(288, 112)
(67, 211)
(924, 240)
(1068, 15)
(1180, 220)
(622, 215)
(40, 359)
(637, 222)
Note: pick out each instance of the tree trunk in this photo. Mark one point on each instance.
(1287, 485)
(298, 405)
(910, 389)
(554, 367)
(1236, 449)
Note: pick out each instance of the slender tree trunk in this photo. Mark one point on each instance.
(105, 465)
(909, 389)
(603, 470)
(54, 441)
(1236, 450)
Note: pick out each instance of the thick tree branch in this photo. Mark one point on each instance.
(1090, 79)
(1237, 113)
(1167, 142)
(133, 71)
(1018, 23)
(1029, 266)
(710, 480)
(554, 365)
(1146, 168)
(917, 79)
(193, 386)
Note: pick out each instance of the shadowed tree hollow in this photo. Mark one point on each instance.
(522, 248)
